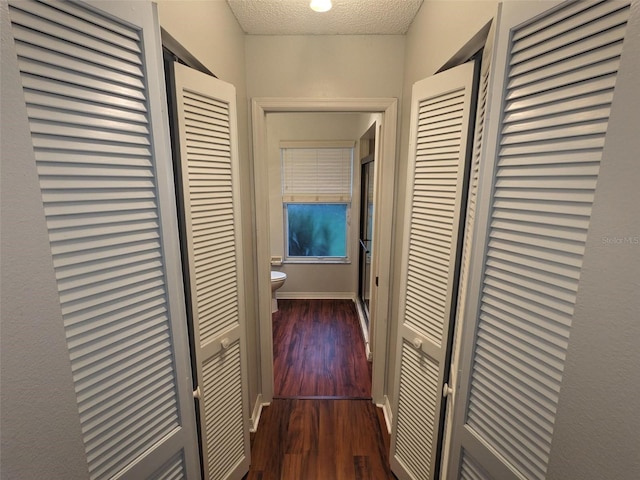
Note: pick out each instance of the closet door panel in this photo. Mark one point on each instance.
(210, 196)
(92, 83)
(441, 107)
(539, 180)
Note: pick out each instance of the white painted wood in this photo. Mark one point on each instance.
(210, 194)
(107, 188)
(384, 215)
(257, 411)
(440, 130)
(363, 326)
(388, 413)
(479, 137)
(378, 236)
(316, 295)
(547, 121)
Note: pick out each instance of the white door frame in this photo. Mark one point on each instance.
(388, 107)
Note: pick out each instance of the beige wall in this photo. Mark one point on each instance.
(313, 278)
(210, 32)
(326, 66)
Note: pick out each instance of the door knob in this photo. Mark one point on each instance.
(446, 390)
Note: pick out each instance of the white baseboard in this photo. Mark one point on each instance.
(257, 411)
(363, 328)
(386, 410)
(315, 295)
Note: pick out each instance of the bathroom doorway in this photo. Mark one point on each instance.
(386, 110)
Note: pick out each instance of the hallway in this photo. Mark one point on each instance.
(318, 350)
(322, 423)
(320, 439)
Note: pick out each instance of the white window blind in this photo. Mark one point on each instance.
(317, 174)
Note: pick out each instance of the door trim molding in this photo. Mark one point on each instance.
(388, 107)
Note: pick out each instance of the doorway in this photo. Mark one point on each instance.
(387, 107)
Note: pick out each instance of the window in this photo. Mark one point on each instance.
(316, 198)
(317, 229)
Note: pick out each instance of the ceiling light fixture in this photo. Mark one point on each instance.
(320, 5)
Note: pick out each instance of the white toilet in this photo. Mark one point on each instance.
(277, 280)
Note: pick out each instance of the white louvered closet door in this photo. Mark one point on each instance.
(209, 171)
(546, 131)
(440, 117)
(92, 83)
(479, 138)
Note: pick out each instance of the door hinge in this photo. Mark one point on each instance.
(376, 281)
(197, 393)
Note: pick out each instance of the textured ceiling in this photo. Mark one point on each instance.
(347, 17)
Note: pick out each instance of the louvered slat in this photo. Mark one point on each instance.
(416, 411)
(223, 411)
(172, 470)
(434, 197)
(86, 101)
(213, 235)
(472, 195)
(471, 470)
(558, 98)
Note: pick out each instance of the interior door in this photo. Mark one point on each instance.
(206, 112)
(93, 87)
(436, 192)
(551, 93)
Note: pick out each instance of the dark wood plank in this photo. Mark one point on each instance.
(362, 467)
(320, 440)
(318, 350)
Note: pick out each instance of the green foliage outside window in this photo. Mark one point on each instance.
(317, 229)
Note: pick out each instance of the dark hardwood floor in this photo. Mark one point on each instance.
(320, 440)
(322, 424)
(318, 350)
